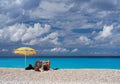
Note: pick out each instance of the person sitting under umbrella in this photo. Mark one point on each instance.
(38, 65)
(46, 65)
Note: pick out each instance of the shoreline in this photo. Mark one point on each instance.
(61, 57)
(67, 68)
(61, 76)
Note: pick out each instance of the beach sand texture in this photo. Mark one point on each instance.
(72, 76)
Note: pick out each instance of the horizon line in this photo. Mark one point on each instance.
(60, 56)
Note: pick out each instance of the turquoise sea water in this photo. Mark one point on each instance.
(65, 63)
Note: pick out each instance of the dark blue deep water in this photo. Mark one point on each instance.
(65, 63)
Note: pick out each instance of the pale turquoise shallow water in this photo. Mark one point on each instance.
(65, 63)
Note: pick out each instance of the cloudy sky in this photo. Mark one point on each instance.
(61, 27)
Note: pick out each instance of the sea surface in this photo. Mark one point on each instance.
(64, 63)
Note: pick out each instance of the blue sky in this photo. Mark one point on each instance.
(61, 27)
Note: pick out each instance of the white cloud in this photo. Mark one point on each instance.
(109, 37)
(4, 50)
(32, 42)
(59, 50)
(52, 37)
(18, 2)
(107, 31)
(36, 31)
(12, 33)
(74, 50)
(87, 25)
(29, 35)
(23, 32)
(103, 14)
(55, 7)
(84, 40)
(48, 9)
(6, 3)
(39, 13)
(16, 32)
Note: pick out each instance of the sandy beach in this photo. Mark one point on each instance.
(72, 76)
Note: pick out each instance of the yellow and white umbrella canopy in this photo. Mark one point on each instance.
(26, 51)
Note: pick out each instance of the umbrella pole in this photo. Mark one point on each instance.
(25, 60)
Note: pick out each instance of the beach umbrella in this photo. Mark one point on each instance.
(26, 51)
